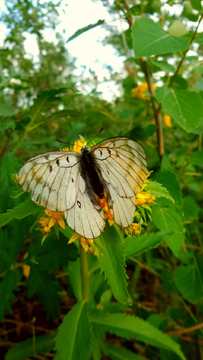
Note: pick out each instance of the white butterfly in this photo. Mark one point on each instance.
(68, 181)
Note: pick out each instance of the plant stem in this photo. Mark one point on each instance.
(185, 53)
(157, 112)
(85, 274)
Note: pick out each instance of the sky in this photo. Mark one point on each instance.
(87, 48)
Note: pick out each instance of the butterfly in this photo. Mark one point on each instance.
(74, 183)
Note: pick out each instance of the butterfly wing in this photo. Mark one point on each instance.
(55, 182)
(86, 217)
(122, 165)
(52, 178)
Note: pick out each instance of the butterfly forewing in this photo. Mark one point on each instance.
(52, 179)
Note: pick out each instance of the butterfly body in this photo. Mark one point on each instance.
(68, 181)
(90, 173)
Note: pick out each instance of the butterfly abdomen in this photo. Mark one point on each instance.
(90, 173)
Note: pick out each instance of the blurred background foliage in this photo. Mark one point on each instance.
(43, 101)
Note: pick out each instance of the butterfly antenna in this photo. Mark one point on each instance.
(97, 135)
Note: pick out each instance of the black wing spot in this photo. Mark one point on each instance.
(67, 159)
(57, 162)
(100, 152)
(79, 204)
(50, 168)
(108, 172)
(47, 157)
(72, 180)
(109, 151)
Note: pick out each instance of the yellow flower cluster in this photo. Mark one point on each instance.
(139, 91)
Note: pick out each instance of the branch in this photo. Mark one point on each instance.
(157, 113)
(185, 53)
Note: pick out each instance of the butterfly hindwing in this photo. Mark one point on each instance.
(86, 217)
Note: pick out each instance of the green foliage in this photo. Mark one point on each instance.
(157, 269)
(7, 287)
(46, 287)
(76, 334)
(150, 39)
(25, 349)
(111, 256)
(133, 327)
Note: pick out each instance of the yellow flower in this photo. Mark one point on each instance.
(56, 216)
(107, 213)
(79, 144)
(84, 242)
(167, 120)
(139, 90)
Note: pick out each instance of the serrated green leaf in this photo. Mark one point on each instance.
(119, 353)
(27, 349)
(19, 212)
(186, 107)
(189, 280)
(53, 254)
(195, 158)
(150, 39)
(73, 341)
(144, 242)
(46, 287)
(157, 189)
(169, 181)
(133, 327)
(167, 219)
(111, 256)
(7, 287)
(84, 29)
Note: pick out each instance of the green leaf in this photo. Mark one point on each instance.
(150, 39)
(144, 242)
(189, 280)
(7, 287)
(73, 341)
(163, 65)
(156, 189)
(27, 349)
(34, 116)
(167, 219)
(84, 29)
(133, 327)
(119, 353)
(177, 28)
(6, 109)
(19, 212)
(74, 273)
(196, 4)
(190, 208)
(195, 158)
(186, 107)
(53, 254)
(111, 256)
(46, 287)
(170, 182)
(175, 242)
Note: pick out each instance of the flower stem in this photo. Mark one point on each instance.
(85, 274)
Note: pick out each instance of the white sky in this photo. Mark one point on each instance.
(88, 47)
